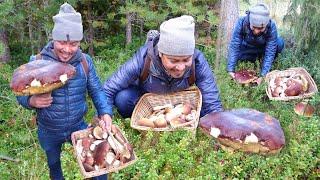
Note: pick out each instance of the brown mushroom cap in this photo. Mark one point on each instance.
(100, 153)
(304, 109)
(237, 125)
(46, 72)
(294, 89)
(245, 76)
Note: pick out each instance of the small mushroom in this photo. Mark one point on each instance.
(160, 122)
(86, 142)
(79, 146)
(145, 122)
(304, 109)
(187, 107)
(98, 132)
(89, 160)
(88, 167)
(100, 153)
(294, 89)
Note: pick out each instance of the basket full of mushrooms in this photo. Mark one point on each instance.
(168, 112)
(99, 152)
(293, 83)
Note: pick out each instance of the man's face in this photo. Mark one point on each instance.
(258, 30)
(176, 66)
(65, 50)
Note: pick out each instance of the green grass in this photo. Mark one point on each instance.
(172, 155)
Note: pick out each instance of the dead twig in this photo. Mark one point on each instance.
(4, 157)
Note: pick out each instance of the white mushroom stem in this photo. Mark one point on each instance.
(215, 132)
(35, 83)
(252, 138)
(63, 78)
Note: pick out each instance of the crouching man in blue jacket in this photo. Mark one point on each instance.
(61, 112)
(167, 63)
(254, 36)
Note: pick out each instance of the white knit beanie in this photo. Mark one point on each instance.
(177, 36)
(259, 15)
(67, 24)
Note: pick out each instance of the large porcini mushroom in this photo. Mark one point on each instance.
(245, 129)
(245, 76)
(304, 109)
(40, 76)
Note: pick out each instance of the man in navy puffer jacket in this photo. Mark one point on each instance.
(254, 36)
(61, 112)
(172, 54)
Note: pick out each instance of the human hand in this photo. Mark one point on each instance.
(105, 122)
(232, 74)
(41, 100)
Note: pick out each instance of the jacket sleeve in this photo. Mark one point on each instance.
(234, 47)
(271, 49)
(95, 90)
(125, 75)
(24, 100)
(205, 81)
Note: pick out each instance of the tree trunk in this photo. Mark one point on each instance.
(30, 27)
(4, 46)
(141, 29)
(91, 31)
(229, 13)
(128, 28)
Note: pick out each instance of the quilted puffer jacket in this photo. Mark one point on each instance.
(69, 102)
(243, 38)
(158, 81)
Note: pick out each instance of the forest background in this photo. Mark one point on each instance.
(114, 29)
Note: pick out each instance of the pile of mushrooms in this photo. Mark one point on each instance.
(169, 115)
(284, 86)
(245, 76)
(102, 149)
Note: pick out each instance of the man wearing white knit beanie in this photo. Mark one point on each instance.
(61, 112)
(255, 36)
(168, 62)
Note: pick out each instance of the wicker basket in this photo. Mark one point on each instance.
(85, 133)
(146, 103)
(312, 87)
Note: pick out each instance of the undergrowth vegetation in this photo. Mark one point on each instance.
(173, 155)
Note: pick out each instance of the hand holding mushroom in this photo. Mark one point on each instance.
(105, 122)
(41, 100)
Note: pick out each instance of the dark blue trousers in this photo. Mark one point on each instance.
(126, 100)
(251, 54)
(51, 143)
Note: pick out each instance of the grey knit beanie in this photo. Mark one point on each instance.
(177, 36)
(67, 24)
(259, 15)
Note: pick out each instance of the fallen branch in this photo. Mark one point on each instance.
(4, 157)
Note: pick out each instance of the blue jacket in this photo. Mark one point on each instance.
(160, 82)
(69, 102)
(243, 38)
